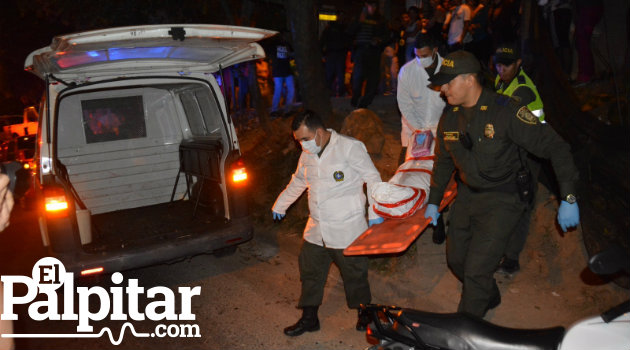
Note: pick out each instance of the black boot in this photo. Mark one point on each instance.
(364, 320)
(439, 234)
(308, 323)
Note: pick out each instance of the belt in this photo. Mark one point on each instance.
(509, 187)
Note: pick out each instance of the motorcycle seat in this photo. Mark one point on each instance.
(463, 331)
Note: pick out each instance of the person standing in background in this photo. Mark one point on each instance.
(457, 24)
(370, 37)
(282, 75)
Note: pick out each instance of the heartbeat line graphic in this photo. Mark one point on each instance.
(87, 335)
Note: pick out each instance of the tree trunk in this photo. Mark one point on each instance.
(302, 15)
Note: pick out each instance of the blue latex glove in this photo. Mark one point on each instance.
(375, 221)
(420, 138)
(433, 213)
(277, 216)
(568, 215)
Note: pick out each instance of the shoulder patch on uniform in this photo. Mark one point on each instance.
(526, 116)
(521, 79)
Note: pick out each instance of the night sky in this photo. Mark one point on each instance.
(29, 25)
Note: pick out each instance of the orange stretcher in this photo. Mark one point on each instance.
(395, 236)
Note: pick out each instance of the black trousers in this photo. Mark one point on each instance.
(366, 69)
(315, 260)
(480, 228)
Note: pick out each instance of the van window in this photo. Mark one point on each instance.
(110, 119)
(210, 111)
(193, 114)
(202, 113)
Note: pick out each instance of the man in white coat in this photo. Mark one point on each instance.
(420, 106)
(333, 167)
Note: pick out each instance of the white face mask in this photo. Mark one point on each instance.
(426, 61)
(311, 146)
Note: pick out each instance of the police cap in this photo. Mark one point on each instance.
(454, 64)
(507, 54)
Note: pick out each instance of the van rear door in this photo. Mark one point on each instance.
(141, 50)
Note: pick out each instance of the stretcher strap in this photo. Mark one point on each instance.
(414, 171)
(403, 215)
(402, 202)
(431, 157)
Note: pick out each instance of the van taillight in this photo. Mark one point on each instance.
(55, 200)
(239, 172)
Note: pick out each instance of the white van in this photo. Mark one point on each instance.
(137, 160)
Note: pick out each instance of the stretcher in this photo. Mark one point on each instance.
(396, 235)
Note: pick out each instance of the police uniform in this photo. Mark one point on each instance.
(482, 144)
(522, 80)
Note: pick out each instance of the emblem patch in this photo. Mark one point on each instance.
(451, 135)
(488, 131)
(338, 175)
(526, 116)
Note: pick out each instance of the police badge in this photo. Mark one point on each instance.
(338, 175)
(488, 131)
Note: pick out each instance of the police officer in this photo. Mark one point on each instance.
(480, 135)
(333, 168)
(512, 81)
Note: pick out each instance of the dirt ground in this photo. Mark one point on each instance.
(552, 288)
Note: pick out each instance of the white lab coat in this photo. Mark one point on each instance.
(420, 106)
(335, 191)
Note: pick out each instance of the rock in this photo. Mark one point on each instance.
(366, 126)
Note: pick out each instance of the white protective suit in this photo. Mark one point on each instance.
(421, 107)
(335, 191)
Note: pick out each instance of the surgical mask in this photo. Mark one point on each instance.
(311, 146)
(426, 61)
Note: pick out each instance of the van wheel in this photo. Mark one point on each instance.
(227, 251)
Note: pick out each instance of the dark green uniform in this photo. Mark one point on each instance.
(488, 205)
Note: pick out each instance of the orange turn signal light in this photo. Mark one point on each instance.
(239, 175)
(56, 203)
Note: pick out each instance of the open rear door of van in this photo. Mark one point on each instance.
(141, 50)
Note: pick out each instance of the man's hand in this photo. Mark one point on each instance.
(6, 202)
(433, 213)
(375, 221)
(568, 215)
(277, 216)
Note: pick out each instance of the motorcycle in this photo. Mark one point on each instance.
(395, 328)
